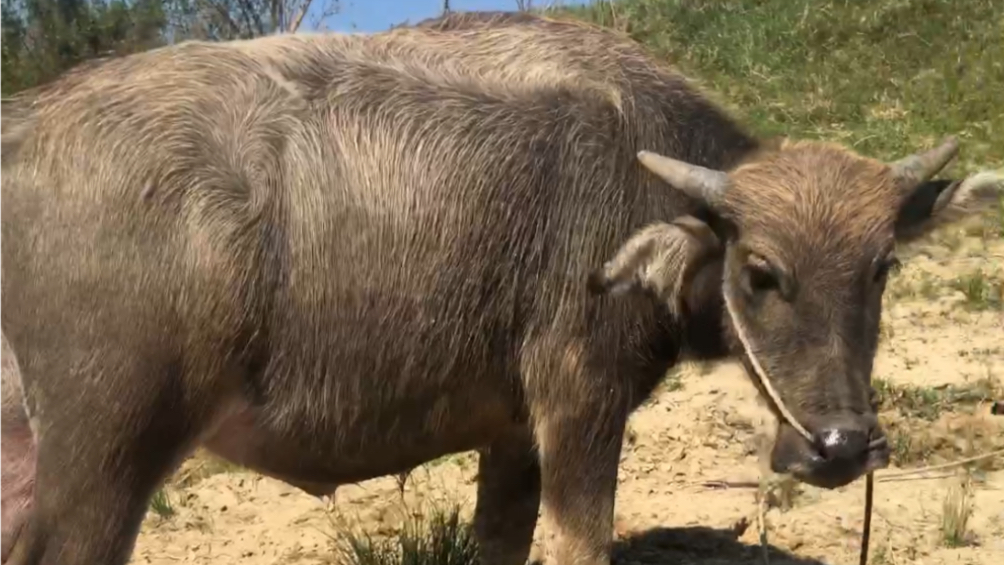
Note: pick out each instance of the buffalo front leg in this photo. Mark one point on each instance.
(508, 500)
(579, 455)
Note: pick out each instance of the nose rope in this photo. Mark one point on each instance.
(761, 375)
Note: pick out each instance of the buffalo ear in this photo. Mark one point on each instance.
(936, 203)
(661, 258)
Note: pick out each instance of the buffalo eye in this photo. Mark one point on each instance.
(759, 276)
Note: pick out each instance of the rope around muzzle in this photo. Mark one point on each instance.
(782, 409)
(760, 374)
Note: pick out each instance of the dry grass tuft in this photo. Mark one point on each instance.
(957, 509)
(200, 466)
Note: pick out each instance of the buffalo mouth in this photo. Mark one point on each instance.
(816, 463)
(809, 463)
(838, 449)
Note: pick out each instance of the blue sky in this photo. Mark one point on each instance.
(378, 15)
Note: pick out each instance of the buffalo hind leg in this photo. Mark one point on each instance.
(17, 454)
(18, 472)
(508, 500)
(90, 512)
(18, 481)
(98, 465)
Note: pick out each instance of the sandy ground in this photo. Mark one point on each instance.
(704, 430)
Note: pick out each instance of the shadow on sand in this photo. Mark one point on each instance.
(697, 545)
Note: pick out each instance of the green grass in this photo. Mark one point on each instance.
(982, 290)
(161, 504)
(909, 449)
(441, 537)
(928, 403)
(933, 424)
(887, 77)
(463, 460)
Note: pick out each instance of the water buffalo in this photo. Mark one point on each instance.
(334, 257)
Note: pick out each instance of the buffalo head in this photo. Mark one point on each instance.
(796, 245)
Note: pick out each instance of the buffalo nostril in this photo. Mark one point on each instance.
(836, 444)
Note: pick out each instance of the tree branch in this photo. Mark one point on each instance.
(251, 14)
(295, 24)
(234, 28)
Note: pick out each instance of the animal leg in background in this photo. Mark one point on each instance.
(508, 499)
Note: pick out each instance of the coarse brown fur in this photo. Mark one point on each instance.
(333, 257)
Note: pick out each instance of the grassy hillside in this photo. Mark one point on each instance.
(886, 76)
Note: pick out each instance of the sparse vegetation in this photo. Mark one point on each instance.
(202, 466)
(672, 383)
(925, 424)
(956, 512)
(161, 504)
(463, 460)
(781, 493)
(928, 403)
(917, 442)
(438, 537)
(983, 291)
(909, 447)
(924, 285)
